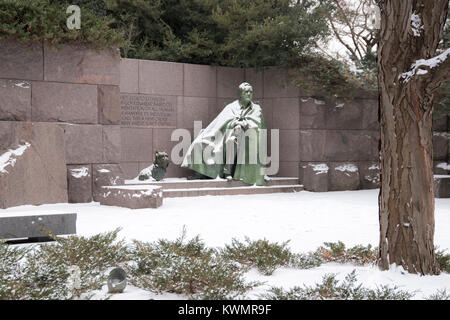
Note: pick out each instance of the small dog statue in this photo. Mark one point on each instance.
(158, 169)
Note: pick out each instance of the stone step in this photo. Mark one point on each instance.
(179, 183)
(442, 186)
(195, 192)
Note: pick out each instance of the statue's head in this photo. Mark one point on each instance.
(245, 91)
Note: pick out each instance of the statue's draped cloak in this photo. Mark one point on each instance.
(249, 171)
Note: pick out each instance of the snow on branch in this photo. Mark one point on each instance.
(419, 67)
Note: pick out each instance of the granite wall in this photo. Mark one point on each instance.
(116, 112)
(76, 88)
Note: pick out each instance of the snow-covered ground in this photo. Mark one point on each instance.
(307, 219)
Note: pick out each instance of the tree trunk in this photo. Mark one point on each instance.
(406, 200)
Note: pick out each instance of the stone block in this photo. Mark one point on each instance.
(37, 226)
(276, 84)
(351, 145)
(369, 173)
(288, 169)
(111, 144)
(79, 183)
(64, 102)
(315, 176)
(161, 78)
(33, 164)
(195, 109)
(312, 145)
(84, 143)
(136, 144)
(199, 81)
(312, 114)
(129, 75)
(162, 141)
(440, 123)
(267, 107)
(130, 169)
(286, 113)
(81, 64)
(370, 114)
(289, 145)
(105, 175)
(256, 78)
(440, 145)
(442, 186)
(228, 81)
(344, 176)
(108, 104)
(441, 167)
(345, 116)
(15, 100)
(133, 197)
(365, 94)
(21, 61)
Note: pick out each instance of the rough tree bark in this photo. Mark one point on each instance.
(410, 31)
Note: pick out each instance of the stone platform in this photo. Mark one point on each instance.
(181, 187)
(37, 225)
(441, 186)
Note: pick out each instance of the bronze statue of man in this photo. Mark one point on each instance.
(230, 146)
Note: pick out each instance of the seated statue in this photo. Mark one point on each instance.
(229, 147)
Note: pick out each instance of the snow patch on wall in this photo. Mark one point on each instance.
(347, 167)
(319, 168)
(79, 172)
(9, 158)
(443, 165)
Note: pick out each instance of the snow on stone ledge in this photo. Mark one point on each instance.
(347, 167)
(443, 165)
(79, 172)
(9, 158)
(319, 168)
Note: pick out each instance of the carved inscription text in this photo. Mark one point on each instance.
(139, 110)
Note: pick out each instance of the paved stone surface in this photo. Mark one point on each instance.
(33, 166)
(79, 183)
(34, 226)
